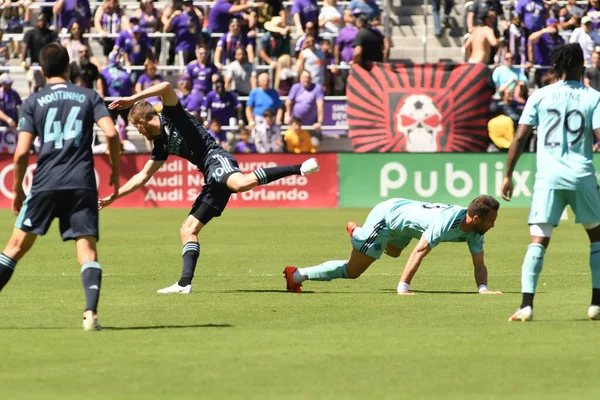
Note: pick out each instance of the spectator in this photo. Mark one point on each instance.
(117, 83)
(223, 10)
(478, 47)
(532, 13)
(506, 76)
(186, 24)
(270, 9)
(306, 102)
(587, 37)
(479, 13)
(202, 71)
(541, 44)
(520, 96)
(109, 19)
(285, 75)
(86, 71)
(244, 145)
(507, 106)
(436, 7)
(267, 135)
(275, 43)
(592, 73)
(136, 47)
(263, 98)
(304, 11)
(312, 60)
(150, 22)
(366, 7)
(309, 30)
(593, 12)
(74, 42)
(368, 44)
(240, 75)
(33, 41)
(330, 82)
(70, 11)
(10, 101)
(570, 16)
(4, 50)
(217, 133)
(515, 40)
(222, 105)
(230, 42)
(343, 49)
(298, 140)
(330, 17)
(190, 99)
(149, 78)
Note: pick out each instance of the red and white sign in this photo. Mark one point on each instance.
(178, 183)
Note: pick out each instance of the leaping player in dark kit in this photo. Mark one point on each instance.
(176, 132)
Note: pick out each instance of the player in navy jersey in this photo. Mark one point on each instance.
(390, 227)
(62, 115)
(177, 132)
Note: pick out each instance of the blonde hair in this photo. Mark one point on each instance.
(284, 62)
(141, 110)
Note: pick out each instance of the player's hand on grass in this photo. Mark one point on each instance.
(406, 293)
(121, 104)
(490, 292)
(17, 202)
(507, 188)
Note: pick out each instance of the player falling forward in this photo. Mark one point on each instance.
(177, 132)
(64, 184)
(567, 115)
(390, 227)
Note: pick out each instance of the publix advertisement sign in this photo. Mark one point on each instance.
(366, 179)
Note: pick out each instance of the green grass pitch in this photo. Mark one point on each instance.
(240, 335)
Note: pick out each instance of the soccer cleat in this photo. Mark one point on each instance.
(176, 289)
(90, 322)
(523, 314)
(594, 312)
(291, 286)
(309, 166)
(351, 226)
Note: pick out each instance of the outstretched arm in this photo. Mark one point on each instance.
(136, 182)
(412, 265)
(514, 152)
(163, 89)
(481, 274)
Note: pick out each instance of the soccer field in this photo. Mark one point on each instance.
(240, 335)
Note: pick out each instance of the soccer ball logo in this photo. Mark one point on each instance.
(419, 120)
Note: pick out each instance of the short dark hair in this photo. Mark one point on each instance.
(54, 60)
(482, 205)
(297, 120)
(268, 113)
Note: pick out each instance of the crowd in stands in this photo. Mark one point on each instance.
(247, 69)
(517, 40)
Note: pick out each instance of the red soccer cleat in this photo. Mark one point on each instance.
(292, 286)
(351, 226)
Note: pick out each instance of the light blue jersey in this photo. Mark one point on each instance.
(397, 221)
(565, 113)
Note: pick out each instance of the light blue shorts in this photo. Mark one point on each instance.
(547, 205)
(375, 234)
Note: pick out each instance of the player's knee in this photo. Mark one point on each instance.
(187, 231)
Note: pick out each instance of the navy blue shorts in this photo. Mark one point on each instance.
(215, 193)
(76, 209)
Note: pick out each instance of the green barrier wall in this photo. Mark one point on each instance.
(366, 179)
